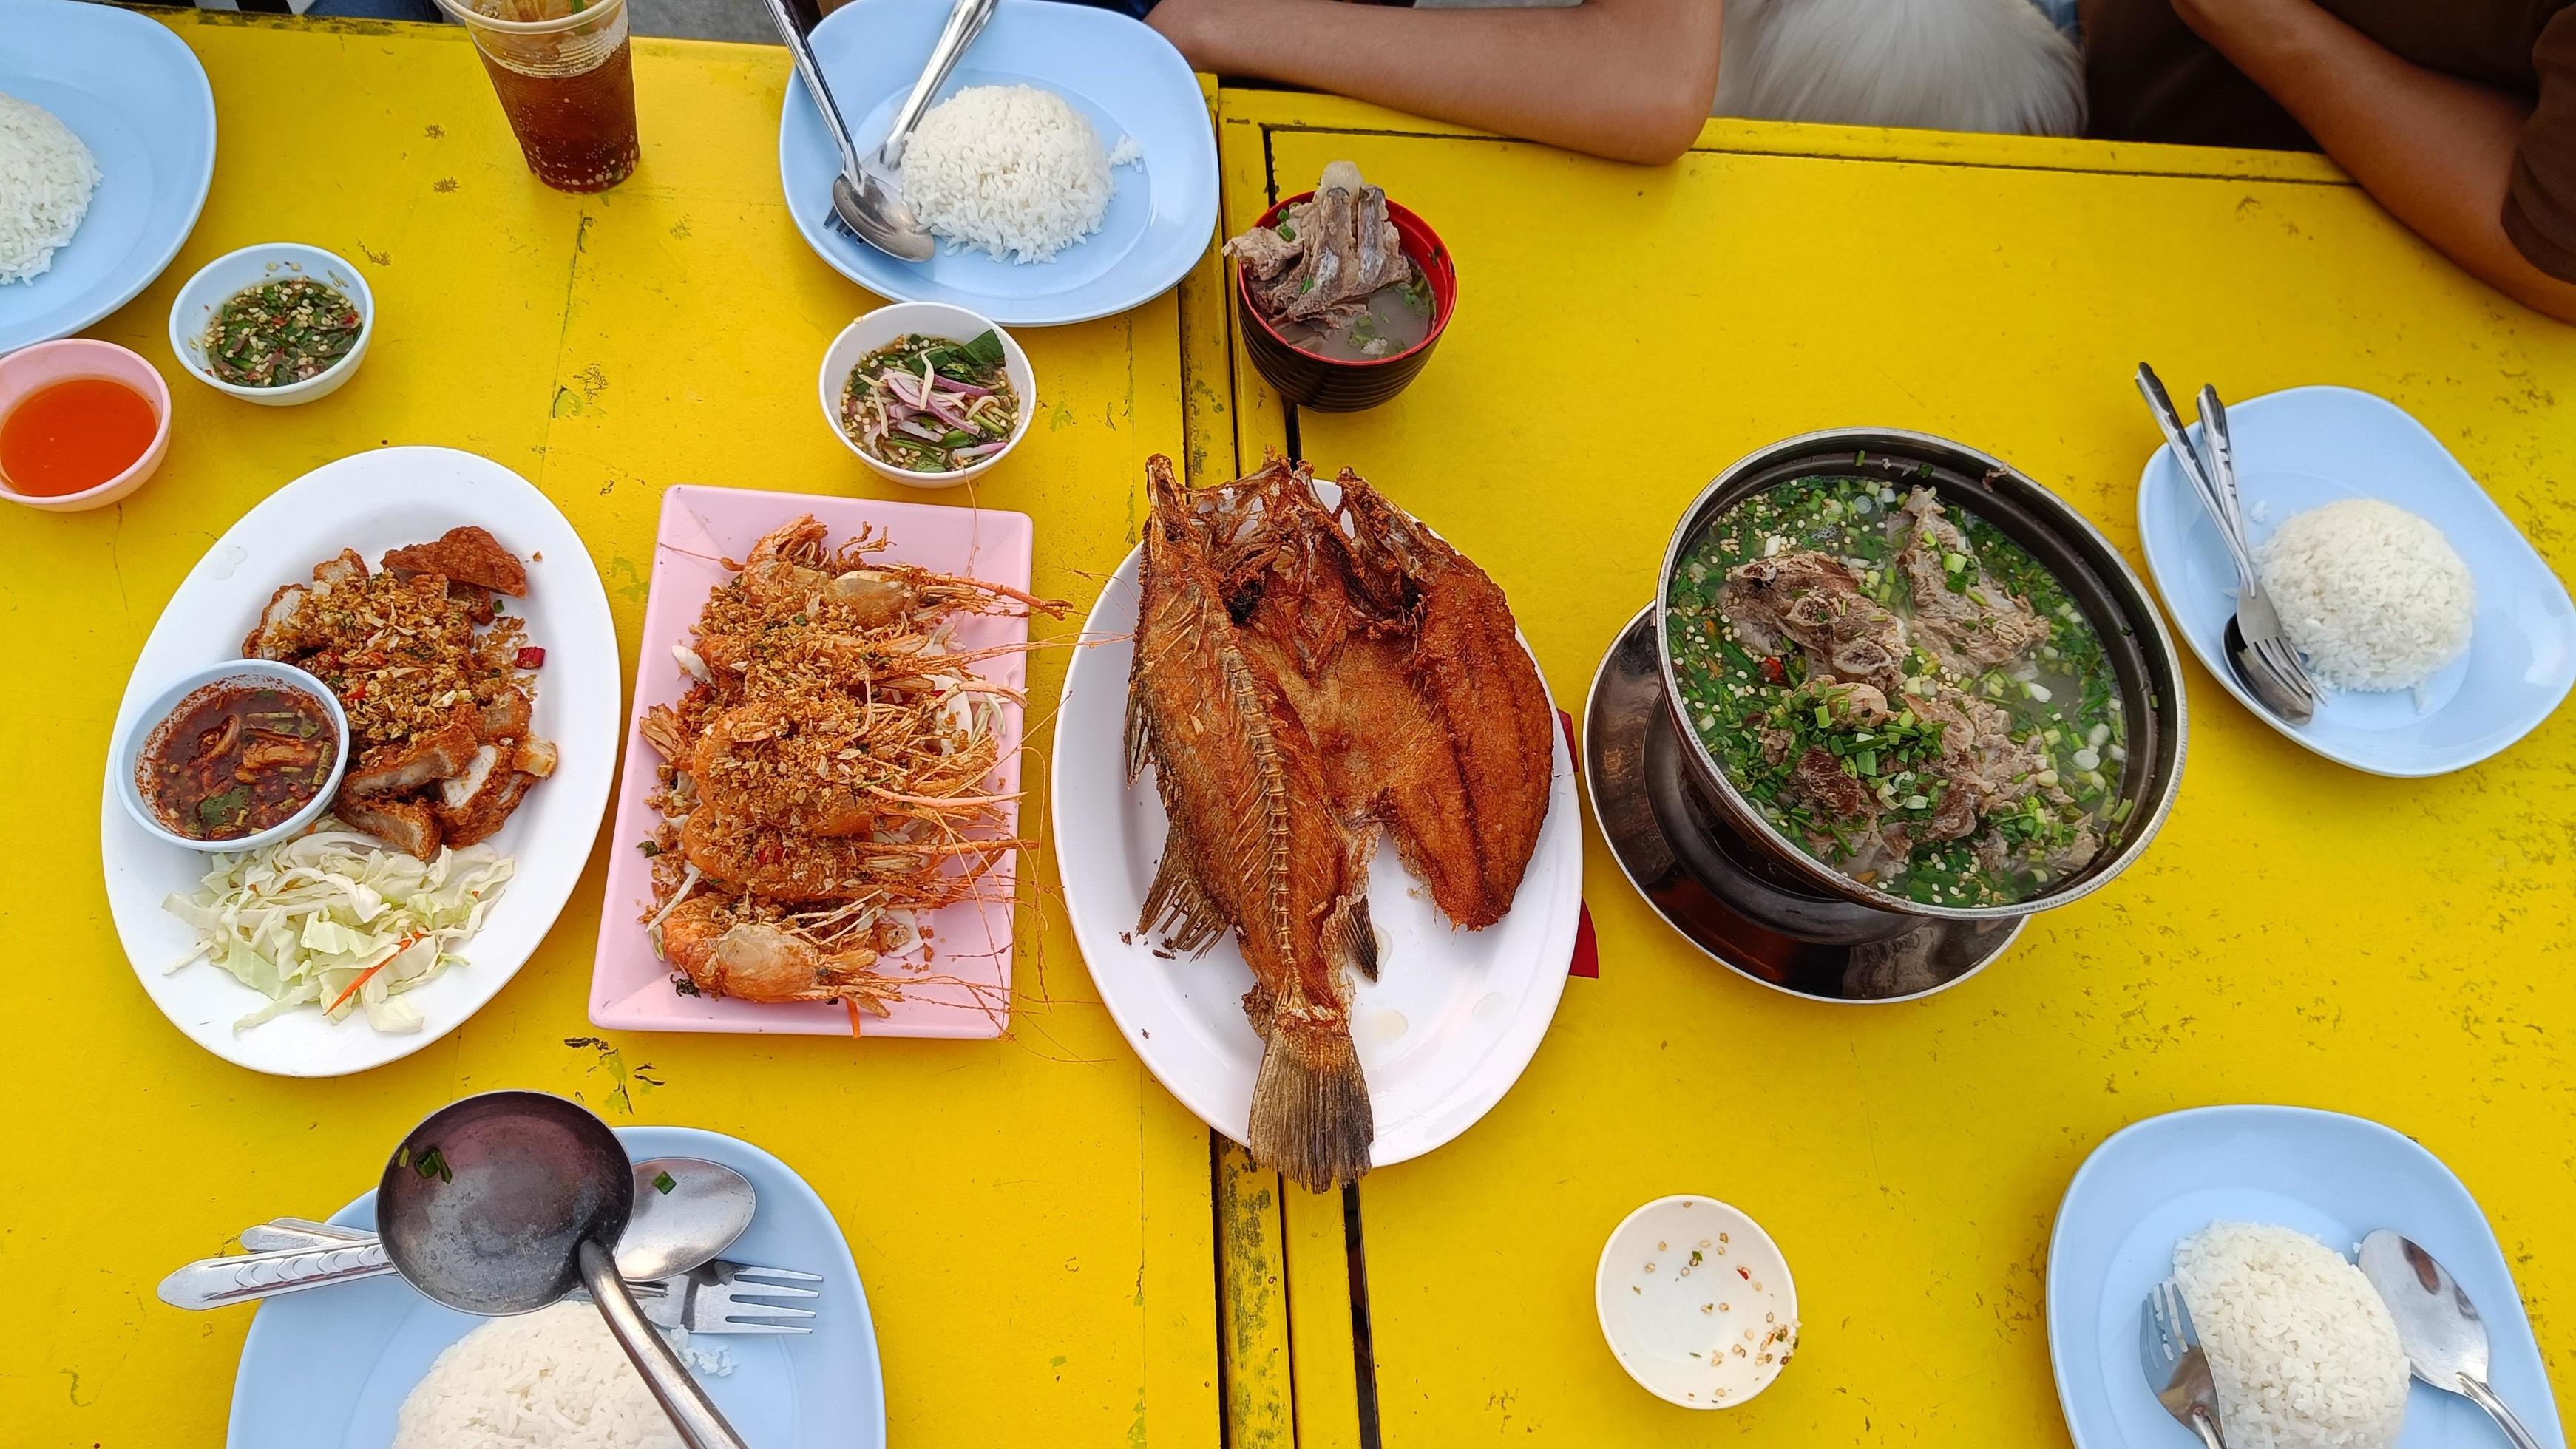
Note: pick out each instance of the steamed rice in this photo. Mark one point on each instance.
(552, 1379)
(46, 179)
(2374, 597)
(2302, 1351)
(1014, 171)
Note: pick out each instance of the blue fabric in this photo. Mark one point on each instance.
(1133, 9)
(2060, 13)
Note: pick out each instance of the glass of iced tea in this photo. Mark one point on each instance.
(566, 76)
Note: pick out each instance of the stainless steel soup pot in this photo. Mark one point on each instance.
(2133, 634)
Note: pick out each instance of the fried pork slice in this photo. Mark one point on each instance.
(284, 628)
(276, 634)
(465, 555)
(506, 717)
(406, 825)
(474, 803)
(534, 757)
(393, 769)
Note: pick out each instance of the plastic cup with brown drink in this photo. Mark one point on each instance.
(566, 76)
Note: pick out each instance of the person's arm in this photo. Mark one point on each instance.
(2437, 151)
(1627, 79)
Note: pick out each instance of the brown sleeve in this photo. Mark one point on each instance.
(2147, 77)
(2540, 206)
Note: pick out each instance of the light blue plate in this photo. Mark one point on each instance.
(1118, 72)
(2308, 446)
(328, 1369)
(136, 96)
(2152, 1184)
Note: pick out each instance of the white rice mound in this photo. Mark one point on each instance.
(1014, 171)
(552, 1379)
(2375, 597)
(2302, 1350)
(46, 178)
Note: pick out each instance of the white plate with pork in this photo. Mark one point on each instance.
(371, 503)
(1447, 1027)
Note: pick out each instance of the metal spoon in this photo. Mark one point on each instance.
(2287, 694)
(867, 194)
(2437, 1325)
(708, 1206)
(503, 1202)
(2264, 635)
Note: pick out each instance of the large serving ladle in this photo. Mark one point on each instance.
(502, 1203)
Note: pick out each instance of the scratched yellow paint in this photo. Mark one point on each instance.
(2300, 933)
(1032, 1217)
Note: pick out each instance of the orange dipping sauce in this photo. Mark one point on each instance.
(74, 435)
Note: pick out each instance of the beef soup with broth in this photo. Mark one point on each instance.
(1331, 277)
(1903, 691)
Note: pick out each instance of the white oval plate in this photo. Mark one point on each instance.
(2309, 446)
(373, 502)
(1121, 74)
(330, 1369)
(1444, 1031)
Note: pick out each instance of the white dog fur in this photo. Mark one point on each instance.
(1952, 65)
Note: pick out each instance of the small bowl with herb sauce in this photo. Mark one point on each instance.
(234, 756)
(927, 394)
(277, 324)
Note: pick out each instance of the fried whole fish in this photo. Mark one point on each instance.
(1255, 846)
(1410, 677)
(1306, 678)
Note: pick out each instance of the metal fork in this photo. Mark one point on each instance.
(718, 1297)
(724, 1297)
(2176, 1368)
(2256, 643)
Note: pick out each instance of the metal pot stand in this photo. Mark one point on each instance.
(1720, 892)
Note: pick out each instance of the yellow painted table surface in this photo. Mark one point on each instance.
(1031, 1216)
(2300, 933)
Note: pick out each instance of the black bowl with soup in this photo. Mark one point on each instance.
(1329, 346)
(1915, 682)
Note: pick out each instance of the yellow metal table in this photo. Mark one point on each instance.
(1031, 1216)
(2299, 934)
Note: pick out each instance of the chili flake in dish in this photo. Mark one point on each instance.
(280, 332)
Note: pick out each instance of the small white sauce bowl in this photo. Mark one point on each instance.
(217, 281)
(127, 750)
(1675, 1324)
(931, 319)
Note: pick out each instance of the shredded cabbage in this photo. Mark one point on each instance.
(304, 921)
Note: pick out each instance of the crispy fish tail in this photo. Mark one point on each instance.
(1310, 1105)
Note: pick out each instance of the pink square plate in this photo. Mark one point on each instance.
(969, 943)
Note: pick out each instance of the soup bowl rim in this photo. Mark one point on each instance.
(136, 733)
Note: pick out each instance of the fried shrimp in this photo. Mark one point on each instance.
(827, 772)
